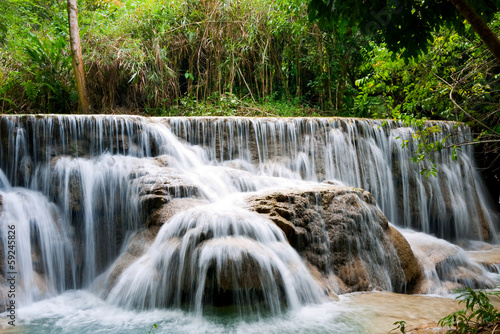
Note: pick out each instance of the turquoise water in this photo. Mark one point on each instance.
(82, 312)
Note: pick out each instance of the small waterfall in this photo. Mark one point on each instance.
(446, 266)
(95, 196)
(217, 254)
(40, 243)
(83, 190)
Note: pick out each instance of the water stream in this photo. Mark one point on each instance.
(121, 222)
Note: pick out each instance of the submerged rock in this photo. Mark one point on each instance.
(341, 232)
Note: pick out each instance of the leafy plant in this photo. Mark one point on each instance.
(152, 329)
(49, 69)
(479, 314)
(401, 325)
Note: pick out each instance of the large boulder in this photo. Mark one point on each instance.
(340, 231)
(214, 254)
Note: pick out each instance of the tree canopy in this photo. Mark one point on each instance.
(406, 25)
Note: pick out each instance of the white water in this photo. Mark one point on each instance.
(361, 153)
(235, 244)
(76, 197)
(82, 312)
(38, 230)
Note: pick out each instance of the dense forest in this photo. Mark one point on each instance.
(233, 57)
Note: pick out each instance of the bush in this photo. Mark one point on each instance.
(478, 316)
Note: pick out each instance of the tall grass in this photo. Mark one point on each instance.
(151, 55)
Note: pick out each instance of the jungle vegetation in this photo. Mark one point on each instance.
(158, 57)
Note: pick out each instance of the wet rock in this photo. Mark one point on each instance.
(341, 232)
(446, 266)
(409, 263)
(488, 256)
(137, 246)
(163, 213)
(141, 242)
(157, 184)
(73, 185)
(241, 274)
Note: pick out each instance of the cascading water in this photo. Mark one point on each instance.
(155, 213)
(361, 153)
(246, 254)
(45, 263)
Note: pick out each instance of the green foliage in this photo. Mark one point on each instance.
(152, 329)
(479, 314)
(404, 25)
(230, 105)
(457, 80)
(152, 55)
(426, 141)
(400, 325)
(49, 67)
(237, 58)
(35, 63)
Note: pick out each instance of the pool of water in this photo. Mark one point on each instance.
(82, 312)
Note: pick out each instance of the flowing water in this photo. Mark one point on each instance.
(77, 190)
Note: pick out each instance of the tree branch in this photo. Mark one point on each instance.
(494, 133)
(481, 28)
(472, 143)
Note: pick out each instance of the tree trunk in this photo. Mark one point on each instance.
(484, 32)
(76, 55)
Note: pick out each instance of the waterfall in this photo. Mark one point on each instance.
(44, 263)
(93, 200)
(247, 254)
(360, 153)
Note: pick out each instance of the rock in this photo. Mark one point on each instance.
(137, 246)
(341, 232)
(157, 184)
(164, 212)
(446, 265)
(409, 263)
(489, 258)
(326, 284)
(242, 273)
(141, 242)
